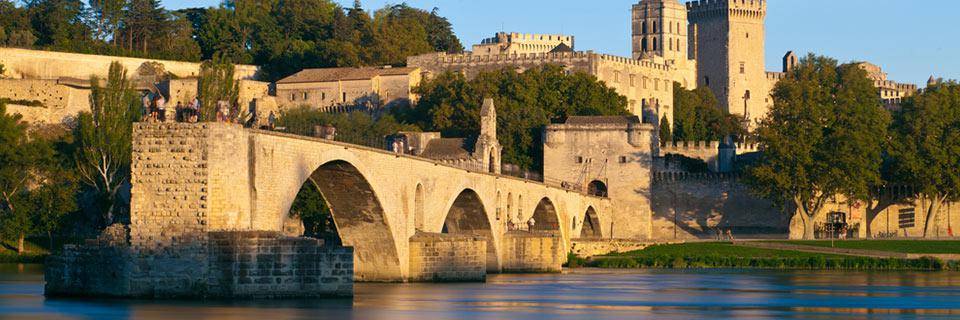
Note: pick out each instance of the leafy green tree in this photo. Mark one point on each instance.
(104, 138)
(312, 210)
(58, 23)
(822, 138)
(143, 24)
(217, 83)
(665, 134)
(105, 17)
(697, 116)
(398, 34)
(925, 150)
(354, 125)
(526, 102)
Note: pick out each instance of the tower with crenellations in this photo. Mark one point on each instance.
(727, 37)
(660, 29)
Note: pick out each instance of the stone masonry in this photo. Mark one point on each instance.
(438, 257)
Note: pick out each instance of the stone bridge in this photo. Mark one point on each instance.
(192, 179)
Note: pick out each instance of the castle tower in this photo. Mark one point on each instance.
(660, 29)
(729, 37)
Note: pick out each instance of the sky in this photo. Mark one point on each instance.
(910, 40)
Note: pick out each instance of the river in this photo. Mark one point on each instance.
(577, 294)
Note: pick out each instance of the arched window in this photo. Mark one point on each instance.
(643, 46)
(654, 44)
(644, 27)
(654, 28)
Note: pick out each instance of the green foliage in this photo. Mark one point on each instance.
(217, 83)
(925, 148)
(104, 141)
(823, 137)
(525, 103)
(725, 255)
(665, 133)
(22, 102)
(356, 125)
(312, 209)
(697, 116)
(903, 246)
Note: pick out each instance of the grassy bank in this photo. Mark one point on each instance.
(35, 253)
(726, 255)
(901, 246)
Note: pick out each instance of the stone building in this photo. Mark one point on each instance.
(891, 93)
(727, 38)
(520, 43)
(337, 89)
(606, 157)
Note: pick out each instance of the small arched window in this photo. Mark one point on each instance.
(654, 44)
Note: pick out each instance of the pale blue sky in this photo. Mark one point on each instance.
(911, 40)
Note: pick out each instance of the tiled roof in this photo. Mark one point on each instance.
(446, 149)
(602, 120)
(335, 74)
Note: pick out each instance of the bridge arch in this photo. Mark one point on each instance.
(545, 216)
(597, 188)
(360, 220)
(591, 224)
(468, 215)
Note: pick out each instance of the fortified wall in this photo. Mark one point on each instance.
(647, 84)
(52, 87)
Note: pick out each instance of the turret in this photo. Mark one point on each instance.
(660, 28)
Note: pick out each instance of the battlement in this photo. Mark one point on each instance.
(776, 76)
(685, 146)
(507, 59)
(741, 8)
(516, 37)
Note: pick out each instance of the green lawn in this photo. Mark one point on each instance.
(727, 255)
(715, 249)
(34, 252)
(902, 246)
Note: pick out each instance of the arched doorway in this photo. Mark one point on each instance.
(591, 224)
(359, 219)
(467, 215)
(493, 161)
(545, 216)
(597, 188)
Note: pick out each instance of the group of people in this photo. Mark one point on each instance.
(155, 109)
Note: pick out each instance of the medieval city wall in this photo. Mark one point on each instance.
(39, 64)
(58, 101)
(697, 206)
(902, 219)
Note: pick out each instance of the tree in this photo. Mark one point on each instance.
(925, 151)
(665, 134)
(822, 138)
(58, 23)
(217, 83)
(104, 138)
(144, 22)
(105, 18)
(526, 102)
(697, 116)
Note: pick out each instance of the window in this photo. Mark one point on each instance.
(706, 80)
(671, 44)
(748, 35)
(579, 159)
(908, 217)
(654, 31)
(305, 95)
(743, 68)
(293, 97)
(654, 44)
(616, 77)
(344, 100)
(633, 80)
(623, 159)
(656, 84)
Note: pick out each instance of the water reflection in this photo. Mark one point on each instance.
(595, 294)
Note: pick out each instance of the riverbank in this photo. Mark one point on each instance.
(34, 253)
(730, 255)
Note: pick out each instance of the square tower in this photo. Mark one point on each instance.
(727, 37)
(660, 29)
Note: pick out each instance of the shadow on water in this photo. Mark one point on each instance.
(576, 294)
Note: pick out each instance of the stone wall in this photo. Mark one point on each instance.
(533, 252)
(586, 248)
(447, 257)
(231, 265)
(38, 64)
(59, 101)
(703, 204)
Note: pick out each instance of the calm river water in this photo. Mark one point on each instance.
(590, 294)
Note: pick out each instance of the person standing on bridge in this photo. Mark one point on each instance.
(531, 223)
